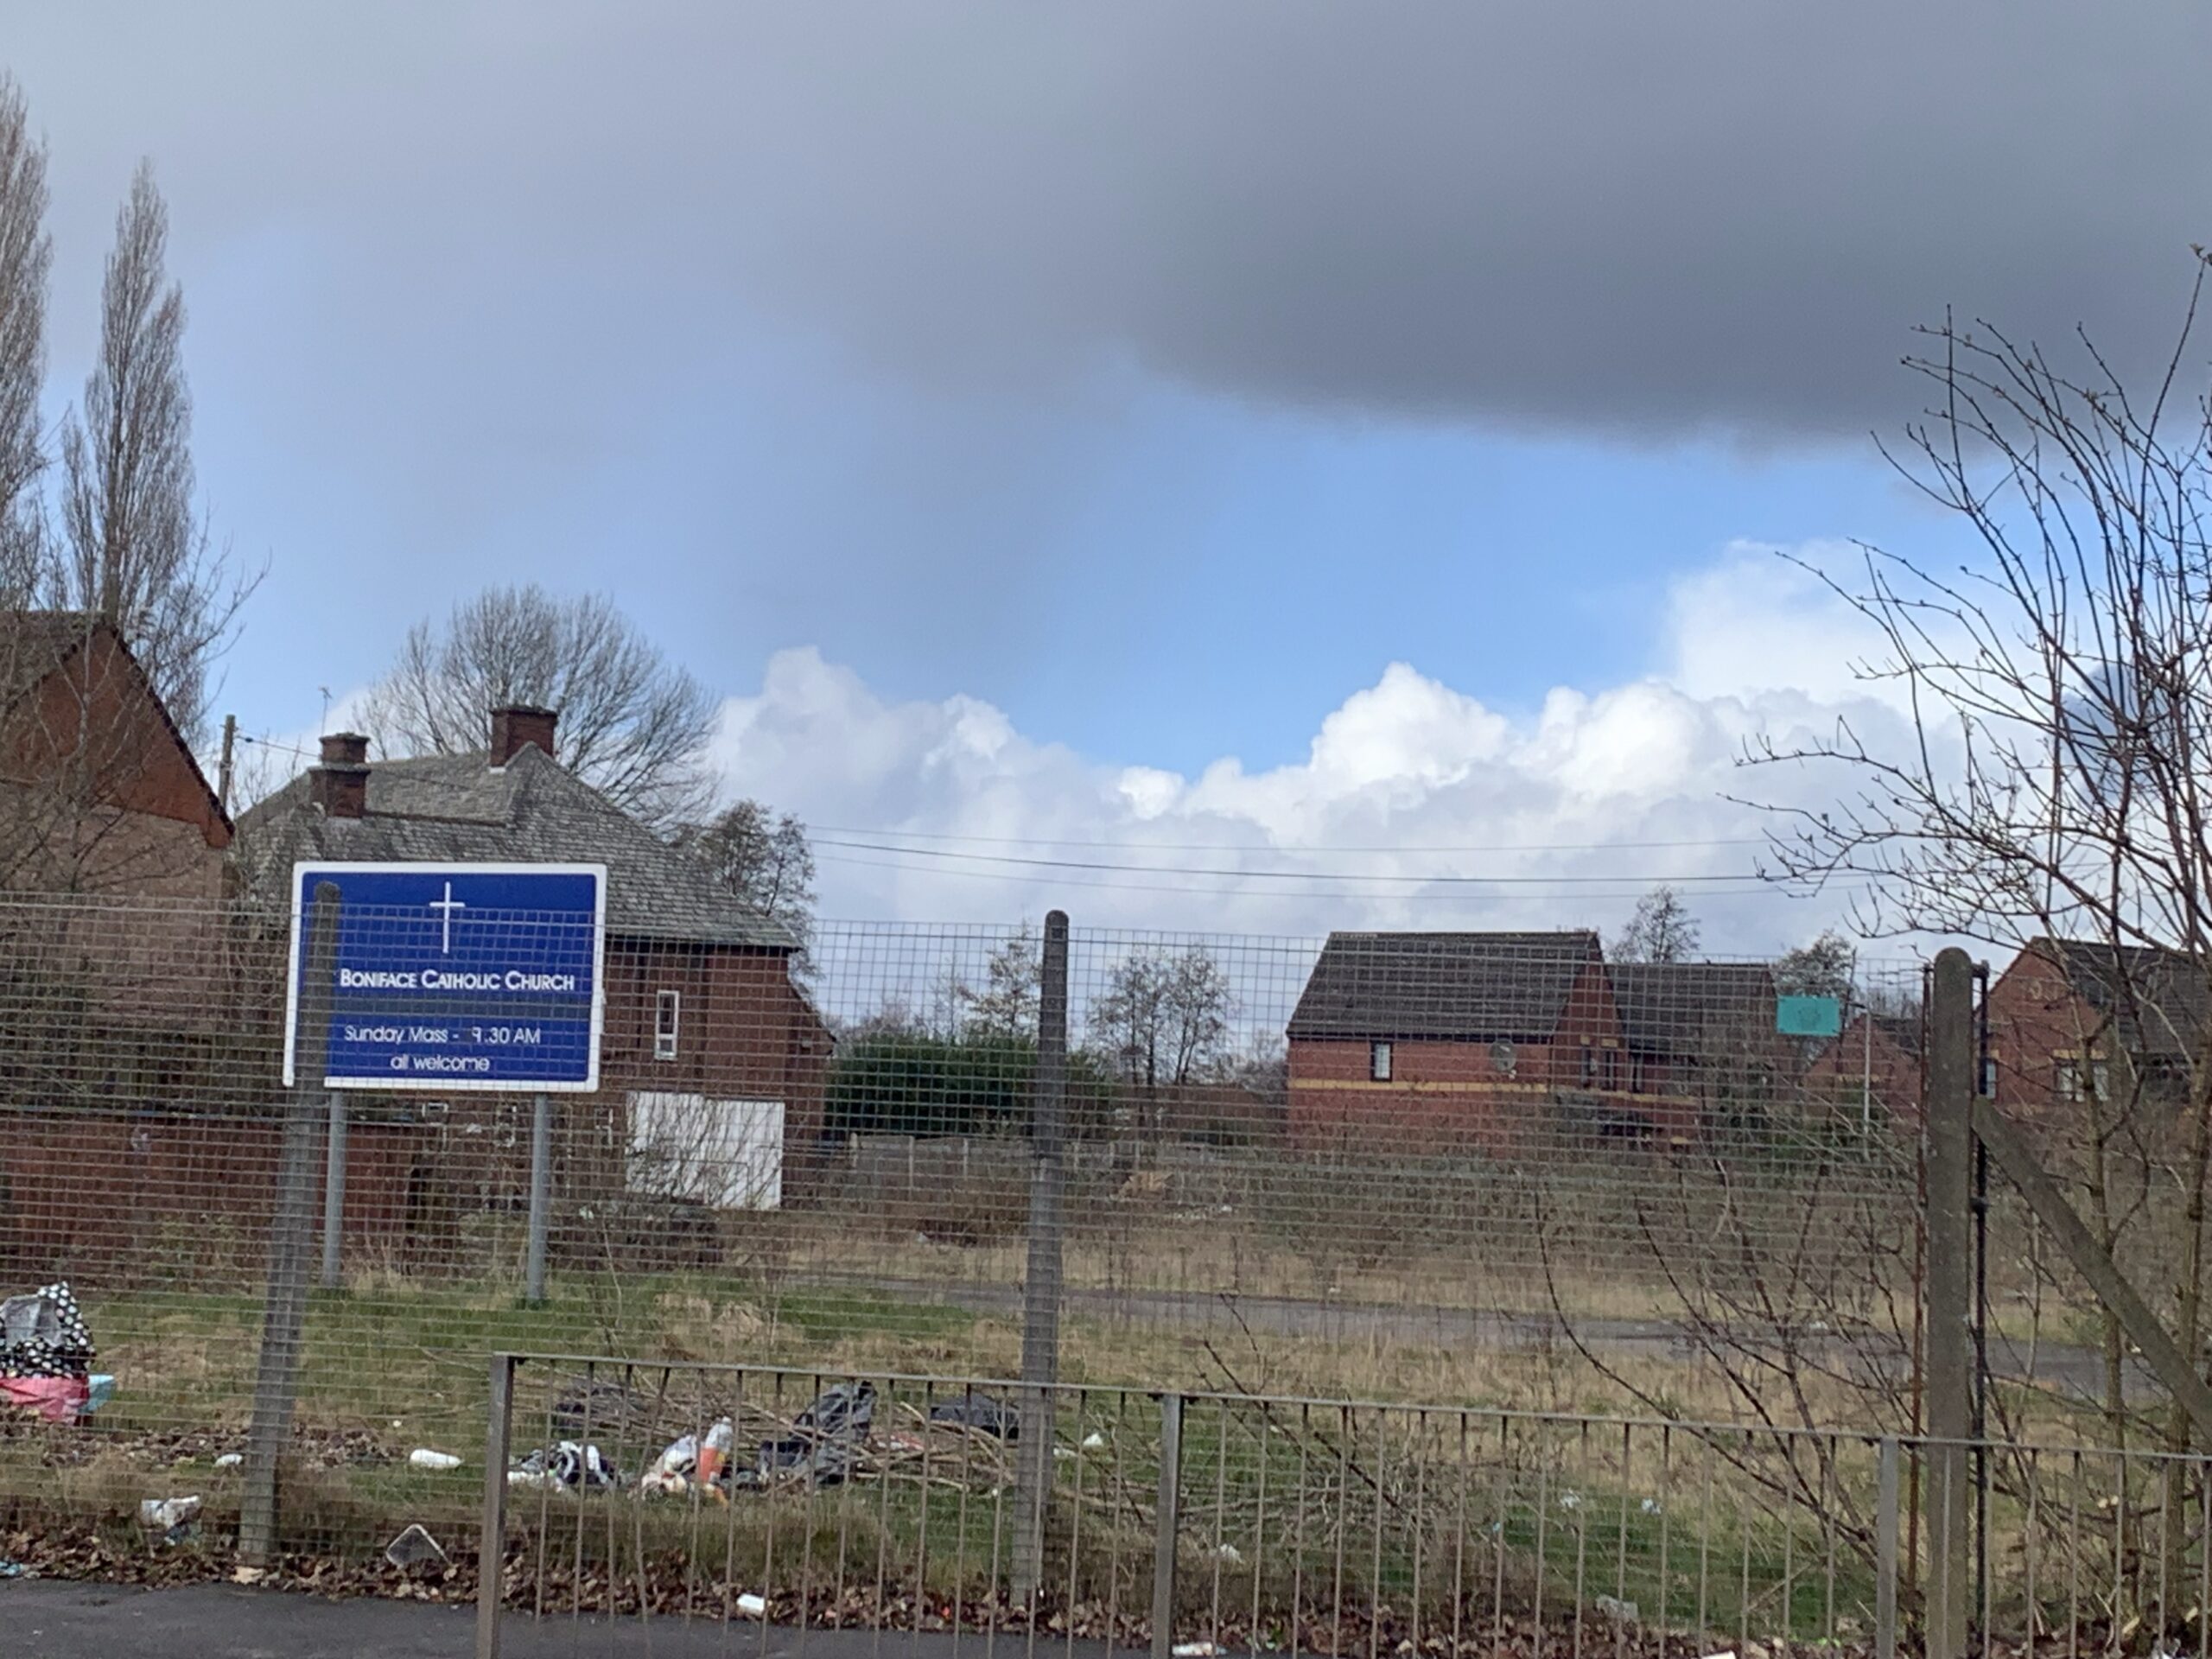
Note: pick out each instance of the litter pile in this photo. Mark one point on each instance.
(46, 1356)
(829, 1442)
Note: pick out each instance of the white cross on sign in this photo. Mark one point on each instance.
(447, 905)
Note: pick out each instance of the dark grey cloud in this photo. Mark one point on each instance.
(1634, 218)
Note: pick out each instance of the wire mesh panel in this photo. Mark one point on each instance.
(1446, 1166)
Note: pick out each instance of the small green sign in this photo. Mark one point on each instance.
(1808, 1016)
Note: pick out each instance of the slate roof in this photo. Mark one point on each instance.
(1675, 1007)
(2158, 999)
(457, 808)
(1479, 986)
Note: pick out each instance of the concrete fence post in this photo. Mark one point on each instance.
(1040, 1326)
(291, 1232)
(1950, 1311)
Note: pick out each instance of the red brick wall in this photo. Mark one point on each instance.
(2035, 1020)
(104, 1194)
(97, 712)
(1450, 1097)
(1860, 1064)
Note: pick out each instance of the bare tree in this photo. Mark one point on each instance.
(633, 725)
(1012, 979)
(137, 553)
(762, 858)
(1662, 930)
(1163, 1024)
(2053, 783)
(26, 253)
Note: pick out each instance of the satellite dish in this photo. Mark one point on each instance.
(1501, 1056)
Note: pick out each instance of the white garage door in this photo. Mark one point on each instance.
(728, 1154)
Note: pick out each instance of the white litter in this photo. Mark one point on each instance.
(1651, 1506)
(1725, 1653)
(1094, 1441)
(1229, 1554)
(230, 1461)
(415, 1548)
(162, 1514)
(1194, 1651)
(423, 1457)
(1570, 1500)
(753, 1607)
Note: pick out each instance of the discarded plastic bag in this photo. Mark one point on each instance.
(172, 1517)
(569, 1466)
(423, 1457)
(982, 1413)
(51, 1399)
(825, 1438)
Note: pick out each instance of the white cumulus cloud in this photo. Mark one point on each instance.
(1563, 814)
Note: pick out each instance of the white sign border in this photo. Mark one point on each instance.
(303, 868)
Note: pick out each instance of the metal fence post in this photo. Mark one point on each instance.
(1950, 1313)
(284, 1310)
(491, 1541)
(1167, 1521)
(1885, 1551)
(541, 1195)
(1040, 1326)
(333, 1195)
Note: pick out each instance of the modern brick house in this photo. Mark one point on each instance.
(1459, 1042)
(1871, 1068)
(713, 1059)
(2068, 1018)
(1701, 1039)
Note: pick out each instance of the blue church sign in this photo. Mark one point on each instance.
(454, 976)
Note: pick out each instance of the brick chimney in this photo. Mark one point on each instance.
(517, 726)
(339, 785)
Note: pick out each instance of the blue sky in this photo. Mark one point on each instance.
(1079, 400)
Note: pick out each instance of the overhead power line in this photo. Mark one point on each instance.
(1286, 851)
(1242, 874)
(1212, 887)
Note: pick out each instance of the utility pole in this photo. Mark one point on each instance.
(227, 772)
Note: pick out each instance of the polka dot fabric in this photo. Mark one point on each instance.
(67, 1352)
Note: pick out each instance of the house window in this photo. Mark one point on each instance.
(1589, 1066)
(1989, 1076)
(1378, 1062)
(1612, 1068)
(2080, 1079)
(667, 1017)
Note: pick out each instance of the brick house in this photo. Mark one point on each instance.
(134, 1117)
(99, 792)
(1463, 1042)
(2069, 1018)
(1872, 1067)
(713, 1058)
(1702, 1040)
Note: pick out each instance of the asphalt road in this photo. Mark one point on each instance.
(2064, 1367)
(40, 1619)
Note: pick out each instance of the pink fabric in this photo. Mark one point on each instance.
(55, 1399)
